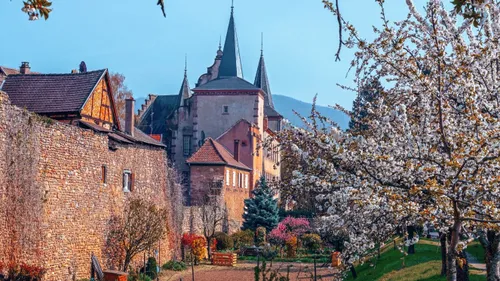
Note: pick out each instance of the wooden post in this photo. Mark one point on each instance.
(314, 258)
(192, 265)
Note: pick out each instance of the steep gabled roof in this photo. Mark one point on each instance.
(160, 110)
(231, 61)
(185, 91)
(52, 93)
(214, 153)
(261, 81)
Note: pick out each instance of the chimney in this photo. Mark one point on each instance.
(266, 123)
(74, 71)
(129, 116)
(25, 67)
(237, 150)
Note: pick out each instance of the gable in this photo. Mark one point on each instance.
(99, 107)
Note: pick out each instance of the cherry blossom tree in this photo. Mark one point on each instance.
(432, 151)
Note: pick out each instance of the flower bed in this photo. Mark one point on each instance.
(224, 259)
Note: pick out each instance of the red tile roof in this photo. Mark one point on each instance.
(8, 70)
(212, 152)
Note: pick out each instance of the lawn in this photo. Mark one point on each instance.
(424, 265)
(476, 249)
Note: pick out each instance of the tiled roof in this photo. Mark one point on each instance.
(161, 108)
(271, 112)
(139, 136)
(8, 70)
(51, 93)
(212, 152)
(231, 83)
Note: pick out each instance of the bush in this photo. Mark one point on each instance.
(224, 241)
(199, 248)
(140, 277)
(291, 247)
(312, 242)
(151, 268)
(23, 272)
(260, 236)
(174, 265)
(242, 238)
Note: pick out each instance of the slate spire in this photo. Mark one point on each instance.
(231, 62)
(261, 79)
(185, 91)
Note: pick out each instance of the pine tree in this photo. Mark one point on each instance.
(261, 209)
(369, 93)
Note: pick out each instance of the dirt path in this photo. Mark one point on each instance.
(473, 262)
(245, 272)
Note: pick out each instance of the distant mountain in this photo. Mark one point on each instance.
(286, 105)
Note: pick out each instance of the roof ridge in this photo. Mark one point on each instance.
(229, 129)
(60, 74)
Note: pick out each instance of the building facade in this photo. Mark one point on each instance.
(225, 111)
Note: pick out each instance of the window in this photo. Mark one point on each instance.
(234, 178)
(104, 174)
(128, 181)
(227, 177)
(186, 145)
(240, 180)
(246, 181)
(225, 109)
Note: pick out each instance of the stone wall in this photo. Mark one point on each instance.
(69, 205)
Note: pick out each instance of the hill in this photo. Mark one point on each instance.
(286, 105)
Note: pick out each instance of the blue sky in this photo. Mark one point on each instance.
(133, 38)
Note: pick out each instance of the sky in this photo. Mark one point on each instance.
(133, 38)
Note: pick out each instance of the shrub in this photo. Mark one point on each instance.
(291, 247)
(174, 265)
(199, 248)
(311, 242)
(260, 235)
(288, 228)
(24, 272)
(224, 241)
(152, 268)
(242, 238)
(197, 244)
(140, 277)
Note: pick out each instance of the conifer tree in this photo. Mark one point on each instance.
(261, 209)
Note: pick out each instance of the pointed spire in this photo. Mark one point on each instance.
(185, 91)
(231, 62)
(261, 79)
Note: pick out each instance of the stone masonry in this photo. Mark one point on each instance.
(70, 205)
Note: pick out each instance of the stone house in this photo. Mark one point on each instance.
(61, 182)
(224, 107)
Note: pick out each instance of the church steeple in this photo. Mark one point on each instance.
(185, 91)
(231, 62)
(261, 79)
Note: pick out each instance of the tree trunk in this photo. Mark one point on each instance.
(491, 245)
(126, 263)
(209, 249)
(463, 268)
(354, 273)
(443, 253)
(452, 257)
(411, 234)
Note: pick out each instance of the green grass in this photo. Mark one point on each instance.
(476, 249)
(305, 259)
(424, 265)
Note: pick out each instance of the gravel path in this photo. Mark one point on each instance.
(245, 272)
